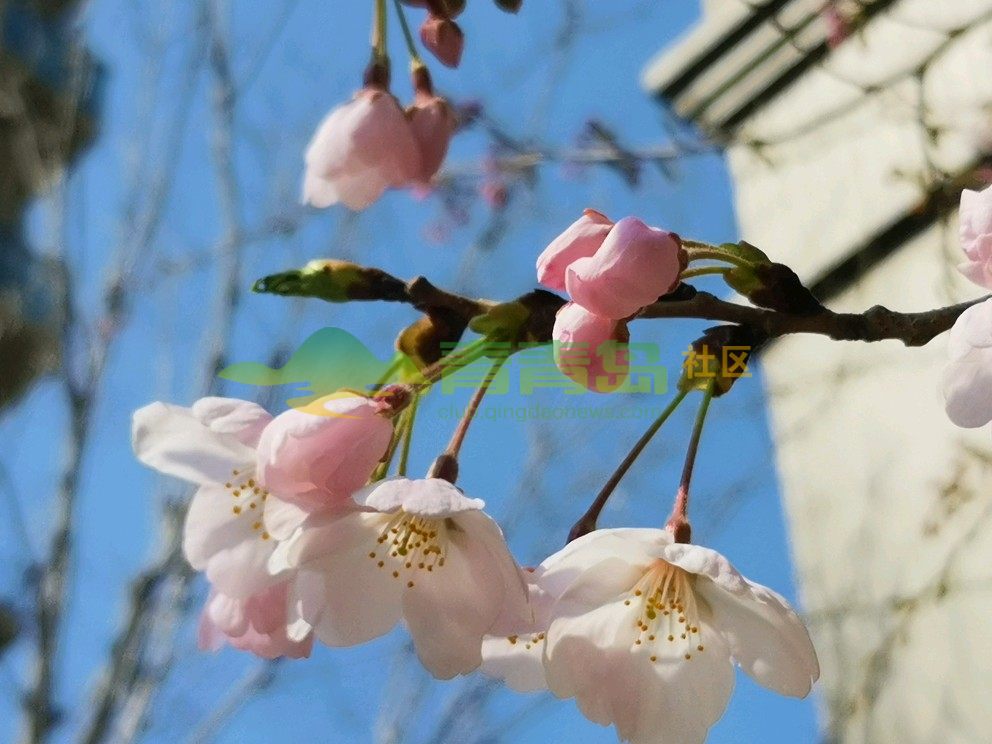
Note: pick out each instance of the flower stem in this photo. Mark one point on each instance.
(678, 523)
(458, 436)
(408, 435)
(704, 270)
(587, 523)
(379, 46)
(446, 464)
(411, 45)
(452, 362)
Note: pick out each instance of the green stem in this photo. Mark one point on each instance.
(587, 523)
(408, 435)
(704, 270)
(411, 45)
(458, 437)
(379, 44)
(390, 372)
(700, 251)
(679, 521)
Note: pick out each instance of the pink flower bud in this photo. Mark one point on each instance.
(318, 456)
(432, 121)
(976, 235)
(581, 239)
(361, 149)
(444, 38)
(635, 265)
(590, 349)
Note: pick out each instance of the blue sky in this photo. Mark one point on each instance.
(293, 61)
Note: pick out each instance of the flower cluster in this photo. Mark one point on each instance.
(371, 144)
(297, 544)
(610, 271)
(968, 376)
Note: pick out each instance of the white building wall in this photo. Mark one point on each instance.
(889, 505)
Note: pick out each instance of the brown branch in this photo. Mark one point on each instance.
(875, 324)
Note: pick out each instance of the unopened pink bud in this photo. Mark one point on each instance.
(432, 121)
(590, 349)
(634, 266)
(444, 38)
(579, 240)
(318, 456)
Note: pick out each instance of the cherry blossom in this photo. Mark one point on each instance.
(643, 631)
(633, 267)
(418, 550)
(968, 375)
(256, 624)
(212, 444)
(976, 235)
(361, 149)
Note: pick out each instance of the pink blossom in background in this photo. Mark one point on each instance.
(444, 39)
(433, 122)
(975, 219)
(633, 267)
(591, 349)
(361, 149)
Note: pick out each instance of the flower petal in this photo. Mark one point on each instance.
(450, 609)
(591, 655)
(174, 441)
(765, 636)
(239, 418)
(342, 591)
(427, 497)
(228, 546)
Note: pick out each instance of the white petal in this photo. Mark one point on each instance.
(517, 660)
(591, 655)
(428, 497)
(240, 418)
(515, 653)
(174, 441)
(282, 518)
(673, 699)
(227, 546)
(361, 600)
(636, 546)
(765, 636)
(450, 609)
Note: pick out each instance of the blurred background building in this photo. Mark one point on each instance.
(48, 98)
(851, 128)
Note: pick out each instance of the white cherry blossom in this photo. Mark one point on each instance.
(419, 550)
(642, 631)
(212, 444)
